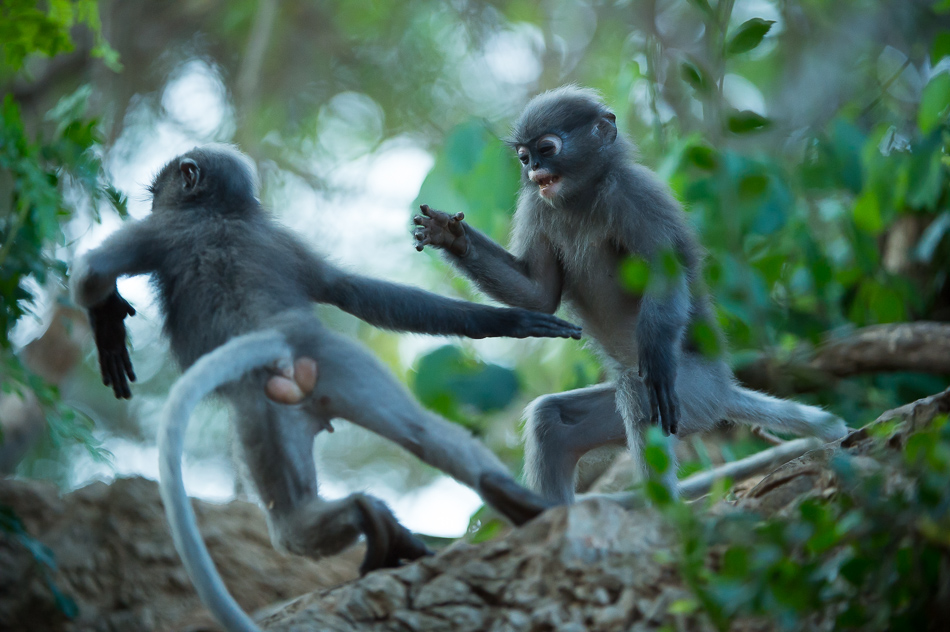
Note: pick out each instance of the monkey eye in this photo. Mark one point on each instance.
(549, 145)
(523, 154)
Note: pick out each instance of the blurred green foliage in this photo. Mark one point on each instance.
(455, 384)
(807, 140)
(39, 170)
(872, 556)
(815, 218)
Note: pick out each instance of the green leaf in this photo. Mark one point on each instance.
(695, 76)
(746, 121)
(748, 36)
(635, 274)
(934, 102)
(867, 213)
(941, 47)
(706, 339)
(703, 156)
(657, 459)
(683, 606)
(752, 186)
(447, 378)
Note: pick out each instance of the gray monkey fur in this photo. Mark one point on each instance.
(226, 271)
(584, 207)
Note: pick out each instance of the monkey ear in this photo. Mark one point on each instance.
(606, 128)
(190, 173)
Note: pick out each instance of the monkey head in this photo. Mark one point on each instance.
(204, 176)
(565, 139)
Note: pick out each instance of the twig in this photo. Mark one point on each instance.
(766, 436)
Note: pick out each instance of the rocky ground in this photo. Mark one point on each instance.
(592, 566)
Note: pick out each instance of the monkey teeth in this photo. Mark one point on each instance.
(548, 187)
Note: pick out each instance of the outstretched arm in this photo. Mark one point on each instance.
(404, 308)
(532, 281)
(132, 250)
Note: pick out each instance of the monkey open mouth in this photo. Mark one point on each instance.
(548, 185)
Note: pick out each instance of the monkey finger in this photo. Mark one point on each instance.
(674, 413)
(127, 365)
(654, 405)
(409, 547)
(377, 537)
(104, 371)
(425, 210)
(458, 217)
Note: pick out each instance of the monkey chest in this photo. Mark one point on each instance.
(594, 289)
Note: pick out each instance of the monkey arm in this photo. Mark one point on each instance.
(132, 250)
(404, 308)
(660, 327)
(530, 281)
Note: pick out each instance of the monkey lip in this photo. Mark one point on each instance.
(548, 185)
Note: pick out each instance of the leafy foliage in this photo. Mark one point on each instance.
(873, 556)
(449, 381)
(37, 171)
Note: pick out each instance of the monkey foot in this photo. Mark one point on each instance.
(514, 501)
(388, 543)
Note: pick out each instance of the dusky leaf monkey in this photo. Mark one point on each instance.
(585, 211)
(226, 272)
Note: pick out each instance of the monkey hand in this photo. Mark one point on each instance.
(108, 328)
(659, 378)
(387, 541)
(440, 230)
(513, 322)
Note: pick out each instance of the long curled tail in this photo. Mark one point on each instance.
(225, 364)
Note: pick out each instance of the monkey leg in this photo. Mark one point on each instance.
(562, 427)
(353, 385)
(632, 404)
(277, 445)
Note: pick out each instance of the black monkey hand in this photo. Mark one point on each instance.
(440, 230)
(521, 323)
(108, 329)
(659, 378)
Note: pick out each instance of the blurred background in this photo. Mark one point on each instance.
(807, 140)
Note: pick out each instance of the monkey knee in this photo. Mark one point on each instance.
(543, 419)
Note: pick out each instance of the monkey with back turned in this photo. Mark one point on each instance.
(231, 280)
(585, 208)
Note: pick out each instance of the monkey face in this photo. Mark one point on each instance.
(545, 149)
(563, 139)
